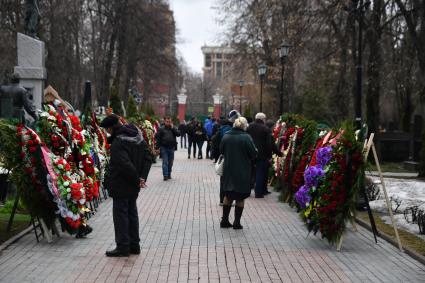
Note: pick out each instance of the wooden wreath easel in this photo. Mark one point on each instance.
(368, 145)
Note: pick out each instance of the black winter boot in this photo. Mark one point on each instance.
(118, 252)
(225, 219)
(238, 215)
(134, 249)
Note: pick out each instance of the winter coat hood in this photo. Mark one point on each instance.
(130, 133)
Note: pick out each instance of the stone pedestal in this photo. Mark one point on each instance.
(182, 97)
(218, 100)
(31, 58)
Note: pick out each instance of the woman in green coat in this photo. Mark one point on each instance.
(239, 152)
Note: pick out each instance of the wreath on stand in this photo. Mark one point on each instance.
(328, 197)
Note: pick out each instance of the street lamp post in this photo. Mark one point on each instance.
(359, 67)
(283, 53)
(241, 83)
(262, 69)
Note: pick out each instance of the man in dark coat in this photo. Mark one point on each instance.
(200, 137)
(215, 140)
(191, 137)
(262, 137)
(166, 140)
(128, 169)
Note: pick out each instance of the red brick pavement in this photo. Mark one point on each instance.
(181, 241)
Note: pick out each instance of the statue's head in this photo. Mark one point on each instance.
(15, 78)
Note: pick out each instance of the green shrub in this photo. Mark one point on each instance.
(8, 206)
(131, 107)
(115, 101)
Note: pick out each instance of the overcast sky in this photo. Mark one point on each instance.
(196, 26)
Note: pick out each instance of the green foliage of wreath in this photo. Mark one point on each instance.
(10, 149)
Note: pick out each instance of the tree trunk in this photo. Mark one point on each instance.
(415, 22)
(122, 44)
(374, 68)
(104, 91)
(407, 110)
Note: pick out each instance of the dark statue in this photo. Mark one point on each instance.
(31, 17)
(14, 99)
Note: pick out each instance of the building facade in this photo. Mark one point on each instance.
(217, 60)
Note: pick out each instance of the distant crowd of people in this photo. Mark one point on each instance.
(245, 144)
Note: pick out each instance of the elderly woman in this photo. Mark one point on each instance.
(239, 152)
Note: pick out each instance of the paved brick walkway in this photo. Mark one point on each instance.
(181, 241)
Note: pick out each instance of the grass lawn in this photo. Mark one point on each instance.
(20, 222)
(407, 239)
(391, 167)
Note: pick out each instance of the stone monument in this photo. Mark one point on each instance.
(182, 104)
(31, 62)
(218, 100)
(16, 102)
(32, 13)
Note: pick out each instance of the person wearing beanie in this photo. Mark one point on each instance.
(239, 152)
(128, 170)
(225, 126)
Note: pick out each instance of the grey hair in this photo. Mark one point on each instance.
(241, 123)
(260, 116)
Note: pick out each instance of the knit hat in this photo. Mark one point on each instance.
(110, 121)
(233, 115)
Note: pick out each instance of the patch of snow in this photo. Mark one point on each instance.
(409, 192)
(403, 224)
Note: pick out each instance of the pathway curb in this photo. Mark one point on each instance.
(394, 175)
(15, 238)
(413, 254)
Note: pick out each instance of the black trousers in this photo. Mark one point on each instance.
(200, 144)
(208, 150)
(126, 222)
(183, 138)
(192, 143)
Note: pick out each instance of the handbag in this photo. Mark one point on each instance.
(219, 165)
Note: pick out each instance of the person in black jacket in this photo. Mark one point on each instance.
(199, 137)
(215, 140)
(190, 130)
(166, 140)
(128, 169)
(183, 129)
(263, 140)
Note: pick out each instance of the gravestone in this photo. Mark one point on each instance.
(31, 62)
(417, 126)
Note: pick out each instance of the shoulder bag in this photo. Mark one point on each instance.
(219, 165)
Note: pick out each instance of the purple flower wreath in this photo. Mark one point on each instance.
(312, 176)
(324, 154)
(302, 196)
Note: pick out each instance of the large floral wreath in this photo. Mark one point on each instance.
(331, 185)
